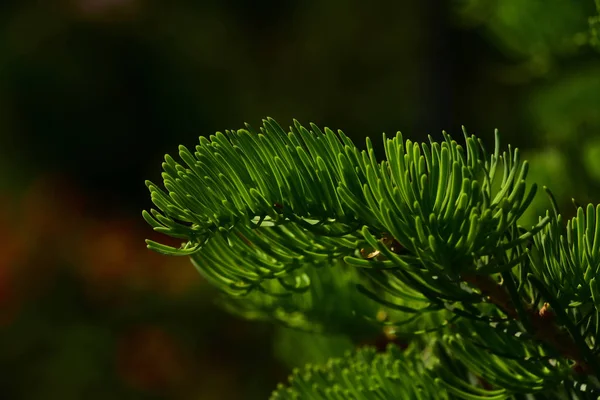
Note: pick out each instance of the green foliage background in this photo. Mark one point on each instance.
(93, 93)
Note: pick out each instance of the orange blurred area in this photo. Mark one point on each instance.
(46, 230)
(150, 359)
(90, 280)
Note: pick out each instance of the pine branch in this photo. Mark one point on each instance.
(394, 374)
(263, 215)
(543, 321)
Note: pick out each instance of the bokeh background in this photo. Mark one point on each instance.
(93, 93)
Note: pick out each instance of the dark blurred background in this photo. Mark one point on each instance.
(93, 93)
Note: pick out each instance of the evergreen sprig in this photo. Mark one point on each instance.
(367, 374)
(305, 229)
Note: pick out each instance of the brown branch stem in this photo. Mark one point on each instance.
(542, 321)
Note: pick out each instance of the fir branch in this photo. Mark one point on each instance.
(394, 374)
(542, 321)
(264, 213)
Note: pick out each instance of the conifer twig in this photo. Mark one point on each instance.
(542, 321)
